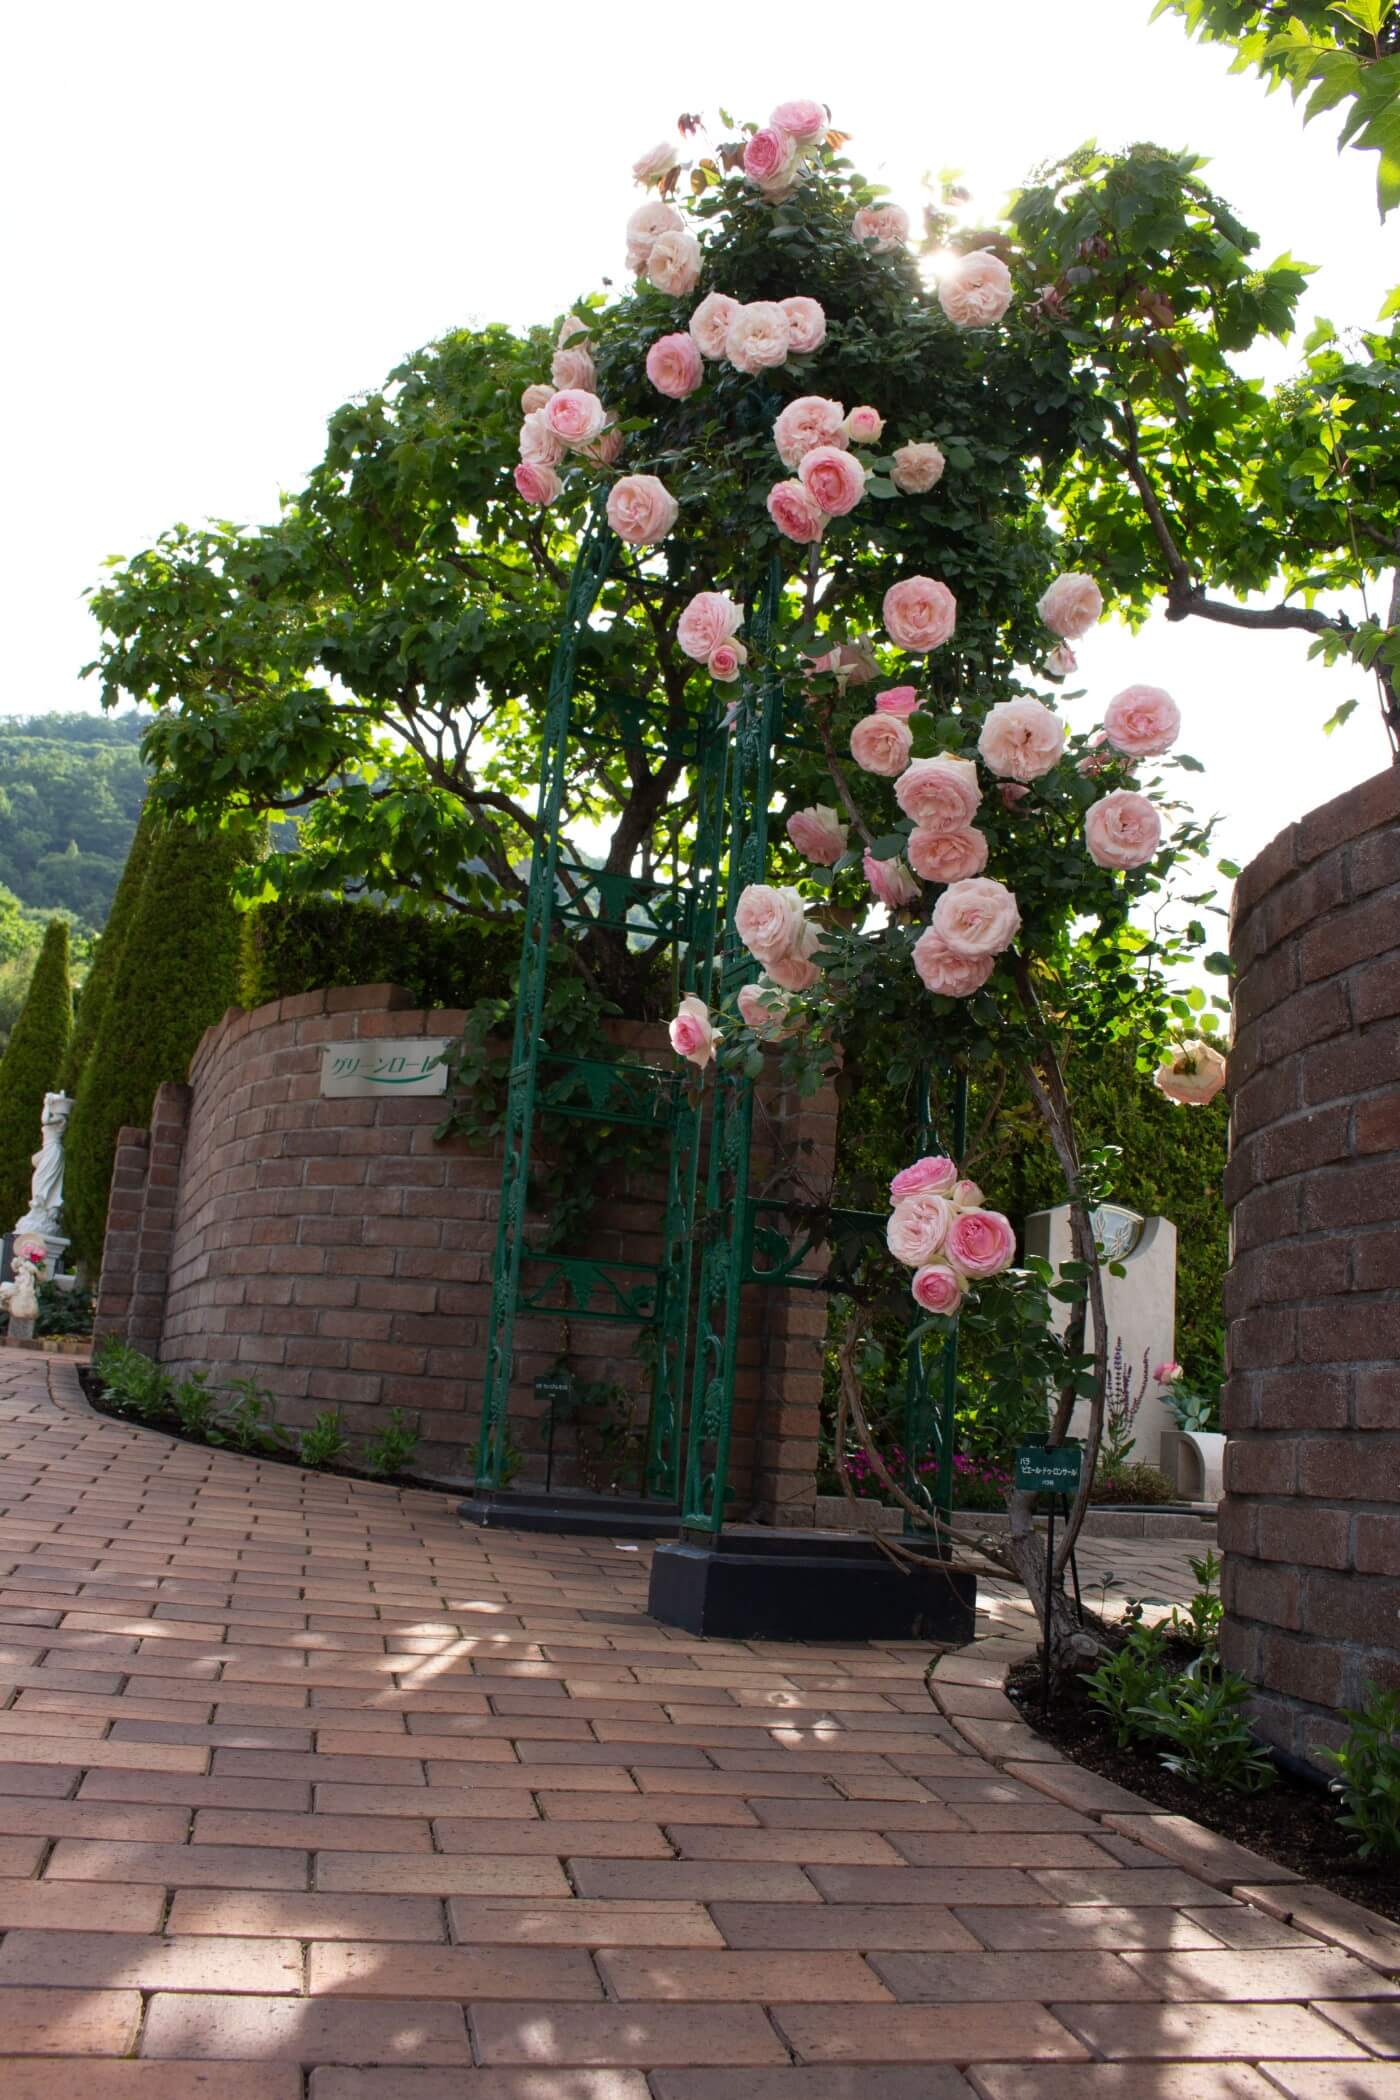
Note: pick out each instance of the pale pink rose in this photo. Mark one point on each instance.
(1193, 1074)
(1071, 605)
(804, 424)
(864, 426)
(850, 663)
(726, 660)
(966, 1196)
(976, 291)
(833, 479)
(891, 882)
(801, 120)
(535, 397)
(1021, 739)
(796, 514)
(881, 743)
(806, 325)
(917, 469)
(769, 922)
(574, 368)
(819, 834)
(919, 614)
(917, 1228)
(569, 327)
(641, 510)
(1166, 1373)
(710, 618)
(657, 161)
(575, 415)
(1142, 721)
(886, 225)
(674, 264)
(1011, 795)
(536, 482)
(539, 445)
(934, 1172)
(645, 228)
(940, 794)
(947, 856)
(937, 1289)
(1122, 830)
(794, 972)
(767, 1010)
(978, 917)
(940, 970)
(758, 337)
(770, 160)
(1061, 661)
(901, 700)
(674, 366)
(1099, 756)
(607, 448)
(710, 323)
(980, 1243)
(692, 1036)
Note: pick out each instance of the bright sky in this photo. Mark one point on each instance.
(224, 220)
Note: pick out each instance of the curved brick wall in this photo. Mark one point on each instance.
(1311, 1517)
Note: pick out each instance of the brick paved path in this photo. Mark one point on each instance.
(310, 1794)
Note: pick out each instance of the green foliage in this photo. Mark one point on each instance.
(1200, 1717)
(392, 1450)
(1122, 1686)
(131, 1382)
(304, 944)
(1368, 1781)
(249, 1424)
(1199, 1625)
(97, 986)
(70, 789)
(29, 1069)
(324, 1440)
(196, 1408)
(1131, 1480)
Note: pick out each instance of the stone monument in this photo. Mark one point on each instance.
(37, 1246)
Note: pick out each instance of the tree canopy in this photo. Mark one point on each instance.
(70, 789)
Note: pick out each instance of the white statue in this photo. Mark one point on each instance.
(46, 1188)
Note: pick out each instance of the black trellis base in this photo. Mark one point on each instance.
(750, 1583)
(565, 1512)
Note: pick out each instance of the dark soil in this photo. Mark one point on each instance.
(1293, 1822)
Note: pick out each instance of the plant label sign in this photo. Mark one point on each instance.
(1054, 1472)
(555, 1389)
(397, 1065)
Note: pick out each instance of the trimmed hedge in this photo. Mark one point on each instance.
(97, 985)
(30, 1067)
(300, 946)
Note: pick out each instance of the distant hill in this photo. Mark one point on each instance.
(70, 791)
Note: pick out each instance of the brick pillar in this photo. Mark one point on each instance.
(125, 1204)
(155, 1236)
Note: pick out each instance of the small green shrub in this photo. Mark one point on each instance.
(131, 1382)
(1199, 1626)
(445, 960)
(1121, 1687)
(1131, 1482)
(196, 1407)
(392, 1450)
(1200, 1716)
(1368, 1776)
(324, 1440)
(248, 1425)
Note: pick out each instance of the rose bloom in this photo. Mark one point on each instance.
(881, 744)
(569, 327)
(767, 1010)
(795, 513)
(758, 337)
(726, 660)
(692, 1036)
(606, 448)
(575, 416)
(539, 445)
(574, 368)
(940, 794)
(1122, 830)
(641, 510)
(1021, 739)
(917, 468)
(1166, 1373)
(645, 228)
(901, 700)
(1193, 1074)
(770, 160)
(940, 970)
(980, 1243)
(890, 881)
(658, 161)
(977, 918)
(886, 225)
(976, 291)
(819, 834)
(1061, 661)
(850, 663)
(1142, 721)
(795, 972)
(806, 325)
(804, 424)
(1099, 756)
(535, 397)
(933, 1172)
(833, 479)
(1011, 795)
(919, 613)
(710, 323)
(937, 1288)
(769, 922)
(966, 1196)
(674, 264)
(1071, 605)
(674, 366)
(710, 618)
(864, 426)
(801, 120)
(918, 1227)
(947, 856)
(536, 482)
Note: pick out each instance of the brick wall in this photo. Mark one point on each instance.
(1311, 1516)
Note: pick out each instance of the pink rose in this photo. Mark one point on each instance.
(796, 514)
(770, 922)
(692, 1036)
(947, 856)
(977, 918)
(674, 367)
(917, 469)
(569, 327)
(881, 743)
(966, 1196)
(1021, 739)
(884, 225)
(939, 794)
(864, 426)
(1099, 756)
(641, 510)
(711, 321)
(539, 446)
(1061, 661)
(574, 369)
(1166, 1373)
(758, 337)
(645, 228)
(806, 325)
(819, 834)
(940, 970)
(1142, 721)
(976, 291)
(536, 482)
(980, 1243)
(917, 1228)
(1071, 605)
(767, 1010)
(770, 160)
(1122, 830)
(937, 1289)
(795, 972)
(574, 416)
(934, 1173)
(710, 618)
(804, 121)
(804, 424)
(919, 613)
(658, 161)
(832, 479)
(726, 660)
(605, 450)
(674, 264)
(890, 882)
(901, 700)
(1011, 795)
(535, 397)
(850, 663)
(1193, 1074)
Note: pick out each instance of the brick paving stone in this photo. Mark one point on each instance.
(1130, 1886)
(1332, 1918)
(1242, 2029)
(951, 1885)
(1242, 1926)
(748, 1978)
(304, 2030)
(1000, 1848)
(365, 1969)
(1333, 2081)
(1376, 2023)
(93, 2079)
(647, 2036)
(816, 2082)
(1100, 1926)
(1216, 1859)
(857, 1848)
(926, 2034)
(208, 1866)
(305, 1916)
(1128, 2082)
(696, 1880)
(491, 1922)
(1261, 1972)
(859, 1926)
(42, 2022)
(879, 1814)
(425, 1874)
(978, 1978)
(389, 2083)
(147, 1962)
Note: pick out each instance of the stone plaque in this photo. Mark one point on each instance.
(391, 1065)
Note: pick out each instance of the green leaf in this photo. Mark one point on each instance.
(1341, 715)
(1217, 964)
